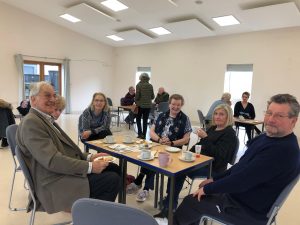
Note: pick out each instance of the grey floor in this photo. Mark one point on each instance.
(287, 216)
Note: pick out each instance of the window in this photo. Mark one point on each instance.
(42, 71)
(238, 79)
(141, 70)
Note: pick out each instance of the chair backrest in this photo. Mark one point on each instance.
(281, 199)
(33, 203)
(97, 212)
(236, 150)
(109, 101)
(11, 131)
(163, 107)
(201, 118)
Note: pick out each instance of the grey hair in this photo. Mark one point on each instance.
(35, 88)
(287, 99)
(226, 96)
(144, 76)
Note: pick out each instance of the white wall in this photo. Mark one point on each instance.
(91, 63)
(195, 68)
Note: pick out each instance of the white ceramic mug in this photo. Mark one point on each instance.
(109, 139)
(145, 154)
(128, 139)
(188, 156)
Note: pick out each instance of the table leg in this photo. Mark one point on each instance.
(210, 170)
(118, 119)
(156, 190)
(122, 193)
(161, 193)
(171, 200)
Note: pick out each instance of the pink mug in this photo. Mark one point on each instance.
(164, 159)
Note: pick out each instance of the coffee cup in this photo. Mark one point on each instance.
(128, 139)
(164, 159)
(109, 139)
(188, 156)
(198, 150)
(145, 154)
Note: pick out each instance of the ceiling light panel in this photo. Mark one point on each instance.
(189, 29)
(160, 31)
(134, 37)
(70, 18)
(226, 20)
(89, 14)
(114, 5)
(272, 17)
(115, 38)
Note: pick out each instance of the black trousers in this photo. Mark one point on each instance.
(220, 206)
(106, 185)
(143, 113)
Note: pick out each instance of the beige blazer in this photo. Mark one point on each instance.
(57, 165)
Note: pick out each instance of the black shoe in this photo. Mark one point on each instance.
(4, 142)
(141, 136)
(161, 214)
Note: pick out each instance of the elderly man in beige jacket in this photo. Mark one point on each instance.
(61, 172)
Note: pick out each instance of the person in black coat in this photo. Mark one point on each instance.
(6, 118)
(24, 107)
(246, 110)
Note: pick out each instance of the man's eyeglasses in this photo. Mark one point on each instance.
(276, 116)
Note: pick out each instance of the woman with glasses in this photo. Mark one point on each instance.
(95, 119)
(245, 110)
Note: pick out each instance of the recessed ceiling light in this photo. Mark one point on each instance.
(70, 18)
(226, 20)
(160, 30)
(115, 38)
(114, 5)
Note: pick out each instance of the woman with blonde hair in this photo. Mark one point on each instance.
(60, 104)
(95, 119)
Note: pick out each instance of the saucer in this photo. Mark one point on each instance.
(104, 158)
(128, 142)
(109, 142)
(151, 158)
(172, 149)
(185, 160)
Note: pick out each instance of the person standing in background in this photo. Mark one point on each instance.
(143, 99)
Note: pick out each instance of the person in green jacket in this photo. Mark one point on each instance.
(143, 99)
(161, 96)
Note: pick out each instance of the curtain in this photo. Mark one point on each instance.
(19, 63)
(66, 65)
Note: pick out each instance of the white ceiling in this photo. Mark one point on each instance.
(189, 19)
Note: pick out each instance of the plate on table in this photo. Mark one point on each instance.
(172, 149)
(105, 142)
(107, 158)
(128, 142)
(185, 160)
(151, 158)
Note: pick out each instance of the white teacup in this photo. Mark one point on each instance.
(145, 154)
(109, 139)
(188, 156)
(127, 139)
